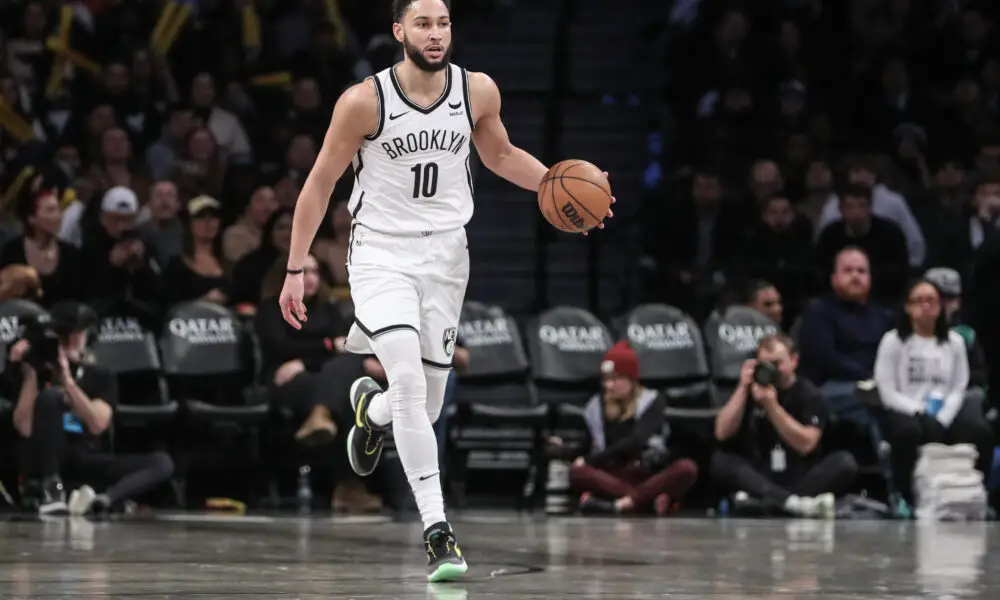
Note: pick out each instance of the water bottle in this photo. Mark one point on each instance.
(304, 494)
(557, 488)
(935, 400)
(724, 507)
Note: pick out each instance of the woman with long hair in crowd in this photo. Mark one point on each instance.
(922, 372)
(248, 273)
(56, 262)
(309, 372)
(625, 466)
(200, 272)
(291, 355)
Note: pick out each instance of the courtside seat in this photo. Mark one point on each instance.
(128, 349)
(672, 359)
(496, 408)
(12, 313)
(566, 345)
(211, 366)
(732, 338)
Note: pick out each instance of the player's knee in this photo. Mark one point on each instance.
(410, 390)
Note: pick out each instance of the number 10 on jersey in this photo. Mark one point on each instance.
(425, 180)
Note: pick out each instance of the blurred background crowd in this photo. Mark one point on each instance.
(151, 154)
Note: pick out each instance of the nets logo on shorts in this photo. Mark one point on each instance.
(450, 337)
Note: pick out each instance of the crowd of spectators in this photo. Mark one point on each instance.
(833, 151)
(822, 156)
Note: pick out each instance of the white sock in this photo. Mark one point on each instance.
(399, 353)
(379, 412)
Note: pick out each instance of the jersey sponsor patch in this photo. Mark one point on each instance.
(450, 336)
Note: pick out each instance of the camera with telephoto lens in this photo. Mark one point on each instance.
(765, 373)
(43, 339)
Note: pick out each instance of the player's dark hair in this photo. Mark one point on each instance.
(399, 8)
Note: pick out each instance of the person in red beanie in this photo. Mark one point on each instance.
(625, 466)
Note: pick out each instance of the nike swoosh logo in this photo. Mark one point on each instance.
(426, 477)
(454, 106)
(394, 117)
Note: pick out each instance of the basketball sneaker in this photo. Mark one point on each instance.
(444, 557)
(365, 440)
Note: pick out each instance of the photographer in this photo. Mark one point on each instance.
(771, 429)
(64, 405)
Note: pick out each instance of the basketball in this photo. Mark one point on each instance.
(574, 196)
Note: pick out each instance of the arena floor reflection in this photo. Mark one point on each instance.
(184, 556)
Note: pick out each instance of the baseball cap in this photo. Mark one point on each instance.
(120, 200)
(203, 204)
(947, 280)
(622, 360)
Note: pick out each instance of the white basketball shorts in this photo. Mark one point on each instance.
(400, 282)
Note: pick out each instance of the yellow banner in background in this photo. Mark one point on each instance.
(168, 27)
(14, 124)
(59, 62)
(278, 79)
(335, 18)
(251, 27)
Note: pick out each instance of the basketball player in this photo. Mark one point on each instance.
(407, 131)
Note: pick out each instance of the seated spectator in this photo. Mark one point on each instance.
(333, 252)
(224, 126)
(56, 262)
(202, 169)
(962, 234)
(949, 283)
(20, 282)
(63, 408)
(159, 223)
(843, 328)
(161, 154)
(922, 373)
(885, 204)
(841, 331)
(276, 237)
(292, 356)
(199, 273)
(243, 236)
(624, 466)
(117, 262)
(764, 298)
(881, 240)
(779, 249)
(771, 430)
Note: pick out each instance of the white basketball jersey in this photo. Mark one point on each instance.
(412, 174)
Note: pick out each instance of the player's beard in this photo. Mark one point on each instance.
(422, 63)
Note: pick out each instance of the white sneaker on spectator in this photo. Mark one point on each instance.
(81, 500)
(826, 506)
(823, 506)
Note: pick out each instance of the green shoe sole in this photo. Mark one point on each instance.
(447, 571)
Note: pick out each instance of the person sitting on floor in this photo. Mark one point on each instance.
(922, 373)
(63, 409)
(771, 429)
(624, 466)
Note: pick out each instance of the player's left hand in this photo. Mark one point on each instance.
(610, 212)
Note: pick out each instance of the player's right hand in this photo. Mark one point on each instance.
(290, 300)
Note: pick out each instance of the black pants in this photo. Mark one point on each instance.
(329, 387)
(906, 433)
(50, 452)
(835, 473)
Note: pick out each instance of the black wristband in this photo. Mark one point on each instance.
(294, 271)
